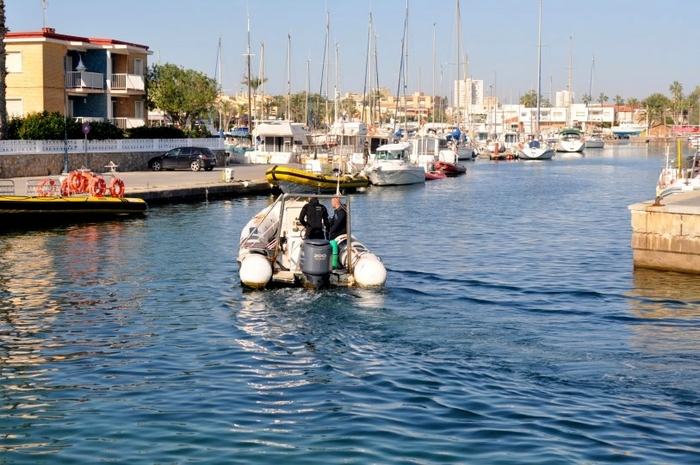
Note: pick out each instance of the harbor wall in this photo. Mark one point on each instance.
(666, 233)
(48, 164)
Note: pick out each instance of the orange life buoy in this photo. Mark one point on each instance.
(98, 186)
(77, 182)
(116, 187)
(46, 187)
(65, 189)
(371, 130)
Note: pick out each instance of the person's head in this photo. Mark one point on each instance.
(335, 201)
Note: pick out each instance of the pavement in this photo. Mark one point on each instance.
(140, 182)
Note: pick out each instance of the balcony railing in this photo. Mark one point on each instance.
(128, 82)
(126, 123)
(84, 80)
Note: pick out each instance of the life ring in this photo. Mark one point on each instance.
(98, 186)
(46, 187)
(65, 189)
(116, 188)
(371, 130)
(77, 182)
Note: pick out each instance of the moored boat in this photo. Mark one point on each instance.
(450, 169)
(273, 251)
(534, 150)
(299, 181)
(79, 196)
(570, 140)
(392, 166)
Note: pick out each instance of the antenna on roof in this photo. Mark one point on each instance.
(43, 6)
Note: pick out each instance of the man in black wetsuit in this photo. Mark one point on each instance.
(314, 217)
(339, 220)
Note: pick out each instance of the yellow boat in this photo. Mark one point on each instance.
(298, 181)
(19, 210)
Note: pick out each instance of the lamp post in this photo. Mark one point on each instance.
(65, 119)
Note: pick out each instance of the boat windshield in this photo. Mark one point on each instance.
(389, 155)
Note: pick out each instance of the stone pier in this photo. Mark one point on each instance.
(666, 233)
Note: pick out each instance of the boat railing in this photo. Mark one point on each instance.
(7, 187)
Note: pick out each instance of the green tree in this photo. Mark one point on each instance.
(656, 105)
(3, 74)
(619, 101)
(529, 100)
(586, 99)
(183, 95)
(632, 102)
(676, 90)
(602, 98)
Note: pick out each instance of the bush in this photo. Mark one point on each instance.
(155, 132)
(103, 130)
(46, 126)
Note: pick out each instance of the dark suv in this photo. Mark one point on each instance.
(186, 158)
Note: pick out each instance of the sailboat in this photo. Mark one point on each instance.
(392, 164)
(534, 149)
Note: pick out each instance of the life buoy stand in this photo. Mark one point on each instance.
(116, 188)
(372, 131)
(46, 188)
(98, 186)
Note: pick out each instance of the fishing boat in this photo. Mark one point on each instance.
(80, 196)
(628, 128)
(392, 166)
(682, 178)
(292, 180)
(273, 251)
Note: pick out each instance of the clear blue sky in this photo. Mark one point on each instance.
(640, 46)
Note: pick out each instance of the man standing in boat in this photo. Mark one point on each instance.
(314, 217)
(339, 221)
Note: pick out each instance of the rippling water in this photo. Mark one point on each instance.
(513, 329)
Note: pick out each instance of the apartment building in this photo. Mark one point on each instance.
(90, 79)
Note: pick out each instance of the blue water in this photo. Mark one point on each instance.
(512, 329)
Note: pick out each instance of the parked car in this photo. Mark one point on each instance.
(186, 158)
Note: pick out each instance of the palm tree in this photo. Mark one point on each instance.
(586, 99)
(602, 98)
(3, 74)
(676, 90)
(529, 100)
(619, 101)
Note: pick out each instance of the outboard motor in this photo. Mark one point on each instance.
(316, 262)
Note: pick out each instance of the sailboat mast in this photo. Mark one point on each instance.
(336, 94)
(458, 90)
(262, 78)
(289, 79)
(250, 99)
(539, 67)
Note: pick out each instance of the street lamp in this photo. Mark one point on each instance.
(65, 118)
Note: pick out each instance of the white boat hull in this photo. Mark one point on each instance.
(571, 146)
(395, 174)
(535, 153)
(595, 143)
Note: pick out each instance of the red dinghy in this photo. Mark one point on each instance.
(430, 175)
(450, 169)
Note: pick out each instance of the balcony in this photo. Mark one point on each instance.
(126, 123)
(83, 80)
(128, 82)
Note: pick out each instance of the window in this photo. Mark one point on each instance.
(15, 107)
(138, 109)
(138, 66)
(13, 62)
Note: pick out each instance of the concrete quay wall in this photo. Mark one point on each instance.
(666, 234)
(51, 164)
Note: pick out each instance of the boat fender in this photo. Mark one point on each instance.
(116, 188)
(255, 271)
(334, 256)
(369, 271)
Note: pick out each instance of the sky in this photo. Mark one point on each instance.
(626, 48)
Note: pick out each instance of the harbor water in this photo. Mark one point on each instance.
(512, 329)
